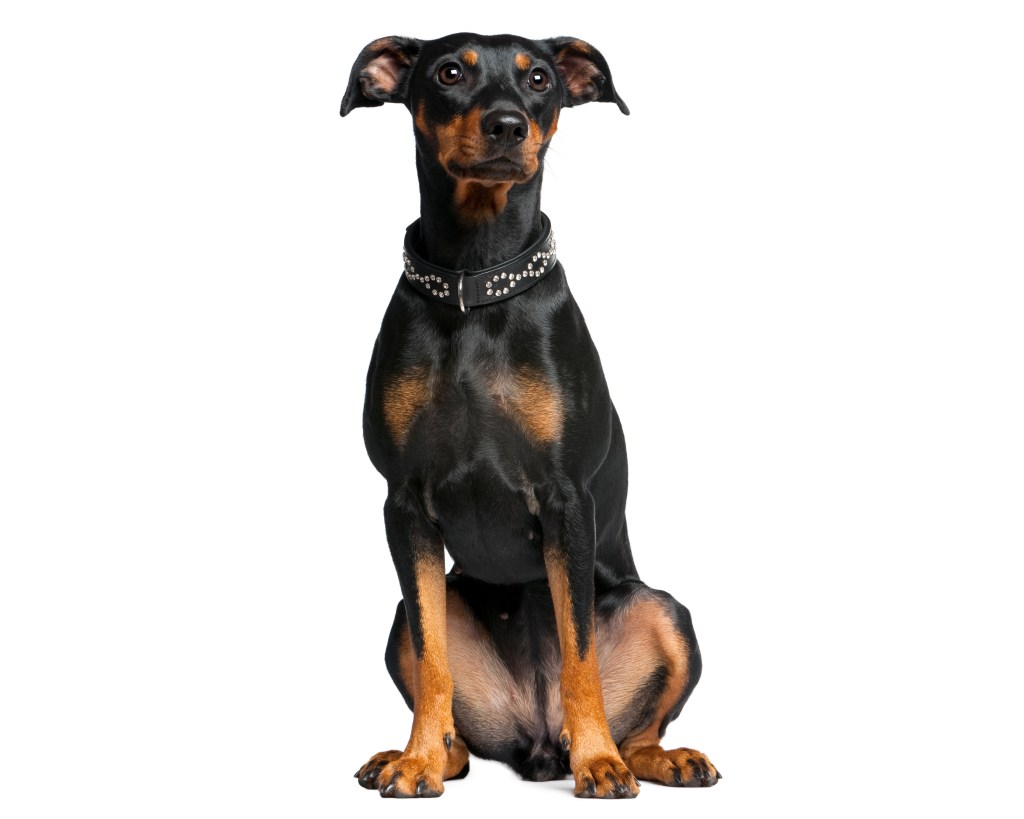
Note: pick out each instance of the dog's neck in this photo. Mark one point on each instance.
(450, 239)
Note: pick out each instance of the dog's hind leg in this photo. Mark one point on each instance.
(650, 663)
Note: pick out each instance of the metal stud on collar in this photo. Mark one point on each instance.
(433, 284)
(497, 287)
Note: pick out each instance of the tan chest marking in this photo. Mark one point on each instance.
(404, 396)
(532, 402)
(524, 395)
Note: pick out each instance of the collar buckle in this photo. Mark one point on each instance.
(462, 304)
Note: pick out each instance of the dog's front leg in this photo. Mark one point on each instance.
(570, 547)
(418, 552)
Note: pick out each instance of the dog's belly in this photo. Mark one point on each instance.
(488, 527)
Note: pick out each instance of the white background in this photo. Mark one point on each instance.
(800, 258)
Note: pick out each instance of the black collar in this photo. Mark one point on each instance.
(473, 288)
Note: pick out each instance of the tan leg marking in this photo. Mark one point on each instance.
(427, 758)
(595, 762)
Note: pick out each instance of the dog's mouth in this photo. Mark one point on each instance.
(499, 169)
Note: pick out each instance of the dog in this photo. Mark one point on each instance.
(488, 414)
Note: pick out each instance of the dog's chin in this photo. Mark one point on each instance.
(491, 172)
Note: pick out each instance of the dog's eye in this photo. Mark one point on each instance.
(449, 73)
(539, 79)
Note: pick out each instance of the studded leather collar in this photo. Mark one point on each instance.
(476, 288)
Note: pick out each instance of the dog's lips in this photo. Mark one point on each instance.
(499, 169)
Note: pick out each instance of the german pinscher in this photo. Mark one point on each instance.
(488, 414)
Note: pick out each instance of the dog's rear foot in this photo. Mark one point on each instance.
(681, 768)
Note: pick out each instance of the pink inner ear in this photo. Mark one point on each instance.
(380, 76)
(580, 76)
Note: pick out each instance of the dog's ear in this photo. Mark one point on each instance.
(381, 73)
(584, 72)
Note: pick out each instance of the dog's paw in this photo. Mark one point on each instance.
(681, 768)
(369, 774)
(412, 775)
(604, 777)
(415, 772)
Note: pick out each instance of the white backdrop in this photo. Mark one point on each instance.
(822, 400)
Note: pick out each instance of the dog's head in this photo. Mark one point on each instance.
(484, 108)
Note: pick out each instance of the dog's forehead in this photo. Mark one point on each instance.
(495, 51)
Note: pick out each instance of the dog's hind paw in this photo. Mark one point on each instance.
(681, 768)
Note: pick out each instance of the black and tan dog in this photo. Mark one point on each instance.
(489, 416)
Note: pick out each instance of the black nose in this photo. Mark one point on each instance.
(506, 127)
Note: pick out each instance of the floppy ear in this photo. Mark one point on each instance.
(584, 72)
(381, 73)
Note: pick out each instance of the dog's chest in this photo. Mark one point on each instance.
(478, 437)
(473, 405)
